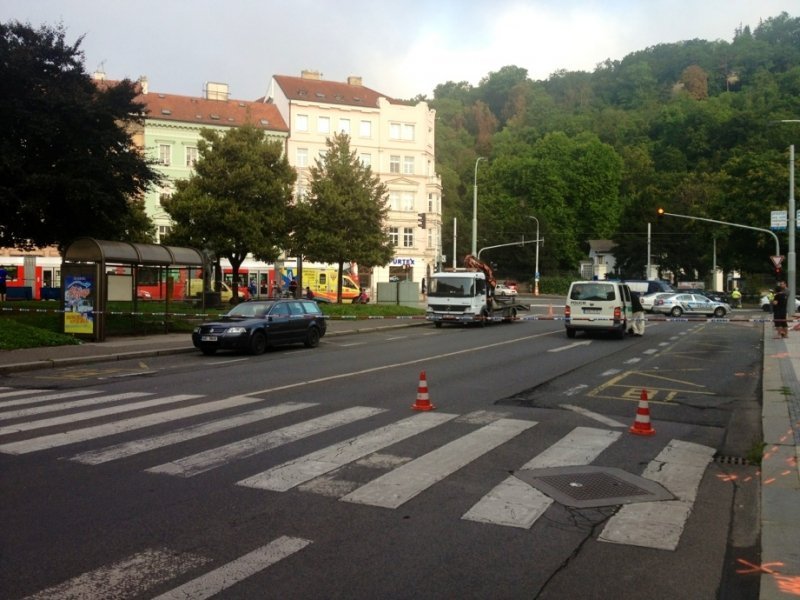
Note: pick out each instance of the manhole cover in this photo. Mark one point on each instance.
(585, 486)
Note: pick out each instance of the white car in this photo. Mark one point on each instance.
(650, 299)
(766, 304)
(503, 290)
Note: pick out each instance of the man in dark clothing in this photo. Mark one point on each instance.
(779, 309)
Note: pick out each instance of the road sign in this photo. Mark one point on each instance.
(776, 260)
(778, 220)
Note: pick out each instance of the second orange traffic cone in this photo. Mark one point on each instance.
(423, 402)
(641, 425)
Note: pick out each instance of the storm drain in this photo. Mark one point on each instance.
(586, 486)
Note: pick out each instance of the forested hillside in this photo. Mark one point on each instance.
(692, 127)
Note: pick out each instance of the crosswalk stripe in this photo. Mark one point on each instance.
(230, 574)
(100, 412)
(96, 431)
(679, 467)
(201, 462)
(514, 503)
(94, 401)
(403, 483)
(294, 472)
(46, 398)
(125, 449)
(137, 573)
(13, 393)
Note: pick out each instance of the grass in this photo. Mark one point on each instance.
(34, 324)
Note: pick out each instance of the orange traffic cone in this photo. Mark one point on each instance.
(422, 403)
(641, 425)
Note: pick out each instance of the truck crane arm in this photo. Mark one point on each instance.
(471, 262)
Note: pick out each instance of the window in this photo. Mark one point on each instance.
(163, 231)
(302, 157)
(408, 165)
(365, 129)
(165, 154)
(408, 132)
(394, 200)
(191, 156)
(366, 159)
(344, 126)
(301, 123)
(394, 131)
(408, 237)
(394, 236)
(394, 164)
(407, 202)
(324, 124)
(401, 131)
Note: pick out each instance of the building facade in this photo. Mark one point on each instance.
(396, 140)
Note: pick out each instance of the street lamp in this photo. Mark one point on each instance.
(475, 208)
(536, 272)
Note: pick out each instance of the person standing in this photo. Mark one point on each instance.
(736, 296)
(638, 315)
(779, 307)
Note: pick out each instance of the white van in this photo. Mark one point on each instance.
(598, 306)
(649, 286)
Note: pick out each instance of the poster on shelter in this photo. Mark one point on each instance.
(79, 295)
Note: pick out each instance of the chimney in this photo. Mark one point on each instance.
(308, 74)
(143, 84)
(354, 80)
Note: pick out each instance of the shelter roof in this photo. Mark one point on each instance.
(128, 253)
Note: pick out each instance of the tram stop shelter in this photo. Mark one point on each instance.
(94, 272)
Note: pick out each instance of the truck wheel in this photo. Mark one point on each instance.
(484, 317)
(570, 333)
(512, 316)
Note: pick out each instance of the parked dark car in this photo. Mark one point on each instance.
(253, 326)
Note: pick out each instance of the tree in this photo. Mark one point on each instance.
(239, 199)
(343, 217)
(68, 165)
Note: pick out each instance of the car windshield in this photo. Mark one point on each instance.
(460, 287)
(592, 291)
(249, 309)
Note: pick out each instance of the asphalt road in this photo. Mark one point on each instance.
(307, 474)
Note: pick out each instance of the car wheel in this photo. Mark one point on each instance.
(676, 311)
(208, 351)
(719, 312)
(312, 338)
(570, 333)
(258, 343)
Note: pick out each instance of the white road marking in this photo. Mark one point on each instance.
(46, 398)
(96, 400)
(226, 362)
(195, 464)
(650, 351)
(13, 393)
(679, 467)
(570, 346)
(228, 575)
(106, 429)
(593, 415)
(397, 487)
(576, 389)
(514, 503)
(631, 361)
(610, 372)
(125, 449)
(131, 576)
(294, 472)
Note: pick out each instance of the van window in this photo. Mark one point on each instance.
(592, 291)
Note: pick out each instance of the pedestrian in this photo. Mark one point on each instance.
(779, 311)
(252, 287)
(424, 289)
(638, 315)
(293, 287)
(736, 296)
(309, 293)
(3, 283)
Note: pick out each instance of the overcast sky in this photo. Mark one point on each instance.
(401, 49)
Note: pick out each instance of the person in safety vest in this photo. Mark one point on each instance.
(736, 296)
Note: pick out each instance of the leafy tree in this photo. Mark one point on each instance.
(238, 201)
(68, 166)
(343, 217)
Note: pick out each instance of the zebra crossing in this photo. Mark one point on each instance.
(512, 503)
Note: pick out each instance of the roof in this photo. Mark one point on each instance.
(92, 250)
(230, 113)
(601, 245)
(330, 92)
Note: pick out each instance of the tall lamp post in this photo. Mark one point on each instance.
(791, 258)
(536, 273)
(475, 208)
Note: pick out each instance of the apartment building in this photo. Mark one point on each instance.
(172, 129)
(395, 138)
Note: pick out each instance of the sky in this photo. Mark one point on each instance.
(400, 49)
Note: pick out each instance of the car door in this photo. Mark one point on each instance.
(298, 322)
(278, 323)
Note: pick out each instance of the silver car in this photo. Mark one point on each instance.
(650, 299)
(690, 304)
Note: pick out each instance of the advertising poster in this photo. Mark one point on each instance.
(79, 297)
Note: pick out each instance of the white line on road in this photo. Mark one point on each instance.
(576, 389)
(125, 449)
(514, 503)
(294, 472)
(570, 346)
(46, 398)
(195, 464)
(38, 410)
(407, 481)
(632, 361)
(610, 372)
(593, 415)
(220, 579)
(650, 351)
(13, 393)
(679, 467)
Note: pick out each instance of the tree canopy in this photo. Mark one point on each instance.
(238, 200)
(343, 217)
(68, 165)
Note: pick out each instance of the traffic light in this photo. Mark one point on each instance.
(421, 218)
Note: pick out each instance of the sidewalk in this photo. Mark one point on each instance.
(780, 477)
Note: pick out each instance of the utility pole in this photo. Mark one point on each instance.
(475, 208)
